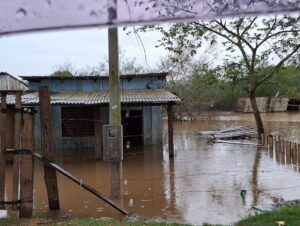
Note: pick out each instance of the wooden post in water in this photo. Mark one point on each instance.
(17, 145)
(262, 139)
(3, 148)
(48, 147)
(170, 131)
(288, 152)
(298, 155)
(271, 146)
(277, 151)
(294, 160)
(26, 166)
(282, 153)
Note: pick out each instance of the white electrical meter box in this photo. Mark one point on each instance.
(112, 143)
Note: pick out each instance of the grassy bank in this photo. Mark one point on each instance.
(289, 215)
(81, 222)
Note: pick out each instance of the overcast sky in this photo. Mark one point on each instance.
(40, 53)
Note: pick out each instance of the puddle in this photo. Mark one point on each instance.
(203, 183)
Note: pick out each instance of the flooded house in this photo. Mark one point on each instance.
(80, 109)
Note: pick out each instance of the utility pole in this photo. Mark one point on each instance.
(115, 100)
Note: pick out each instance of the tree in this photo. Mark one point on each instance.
(128, 65)
(250, 43)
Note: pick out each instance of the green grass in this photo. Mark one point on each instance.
(82, 222)
(290, 215)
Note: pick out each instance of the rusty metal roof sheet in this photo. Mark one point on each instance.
(144, 96)
(125, 76)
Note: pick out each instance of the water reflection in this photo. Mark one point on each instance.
(255, 189)
(203, 183)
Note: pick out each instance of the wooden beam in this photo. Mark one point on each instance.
(26, 166)
(48, 147)
(81, 184)
(17, 145)
(170, 131)
(2, 150)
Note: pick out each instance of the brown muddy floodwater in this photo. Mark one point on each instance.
(201, 184)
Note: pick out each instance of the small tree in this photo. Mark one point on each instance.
(249, 42)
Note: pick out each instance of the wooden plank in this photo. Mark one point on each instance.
(232, 132)
(170, 131)
(236, 142)
(81, 183)
(26, 166)
(17, 145)
(3, 148)
(48, 147)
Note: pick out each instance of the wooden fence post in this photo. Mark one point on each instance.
(282, 150)
(48, 147)
(17, 145)
(262, 138)
(294, 160)
(288, 152)
(277, 151)
(3, 149)
(26, 166)
(170, 131)
(271, 144)
(298, 155)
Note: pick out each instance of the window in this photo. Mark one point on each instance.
(77, 121)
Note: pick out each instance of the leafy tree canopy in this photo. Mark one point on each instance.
(251, 43)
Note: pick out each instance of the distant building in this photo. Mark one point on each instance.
(80, 109)
(265, 104)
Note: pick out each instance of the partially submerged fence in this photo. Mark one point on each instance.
(286, 152)
(23, 152)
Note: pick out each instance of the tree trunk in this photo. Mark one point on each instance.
(259, 124)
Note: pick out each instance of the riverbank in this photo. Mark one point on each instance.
(289, 215)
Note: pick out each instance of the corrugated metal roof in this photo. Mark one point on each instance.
(144, 96)
(125, 76)
(9, 83)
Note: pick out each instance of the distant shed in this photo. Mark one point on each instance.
(265, 104)
(11, 83)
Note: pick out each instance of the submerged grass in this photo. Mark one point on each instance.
(290, 215)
